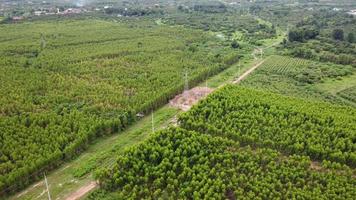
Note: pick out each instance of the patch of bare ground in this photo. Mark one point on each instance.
(190, 97)
(82, 191)
(315, 166)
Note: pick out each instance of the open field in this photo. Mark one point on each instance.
(343, 88)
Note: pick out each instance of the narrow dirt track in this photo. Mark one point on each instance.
(244, 75)
(82, 191)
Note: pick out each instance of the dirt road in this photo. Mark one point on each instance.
(82, 191)
(244, 75)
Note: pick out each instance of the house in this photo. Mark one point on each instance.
(352, 12)
(39, 12)
(17, 18)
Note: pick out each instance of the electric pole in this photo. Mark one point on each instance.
(153, 126)
(186, 84)
(239, 69)
(49, 195)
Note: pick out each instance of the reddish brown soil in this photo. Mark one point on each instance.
(190, 97)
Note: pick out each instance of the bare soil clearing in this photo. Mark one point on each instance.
(190, 97)
(82, 191)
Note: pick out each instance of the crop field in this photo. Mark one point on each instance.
(297, 77)
(180, 164)
(64, 83)
(320, 130)
(285, 65)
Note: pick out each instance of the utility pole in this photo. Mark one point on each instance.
(153, 125)
(287, 29)
(186, 84)
(49, 195)
(239, 69)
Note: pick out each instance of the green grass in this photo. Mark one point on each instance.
(334, 87)
(77, 173)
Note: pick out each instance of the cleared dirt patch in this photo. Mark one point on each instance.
(190, 97)
(82, 191)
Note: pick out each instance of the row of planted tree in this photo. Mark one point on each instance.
(180, 164)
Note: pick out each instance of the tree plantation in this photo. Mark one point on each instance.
(177, 99)
(320, 130)
(181, 164)
(64, 83)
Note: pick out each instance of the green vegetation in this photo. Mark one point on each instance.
(75, 80)
(229, 24)
(67, 82)
(338, 88)
(349, 94)
(297, 77)
(325, 36)
(102, 152)
(180, 164)
(294, 126)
